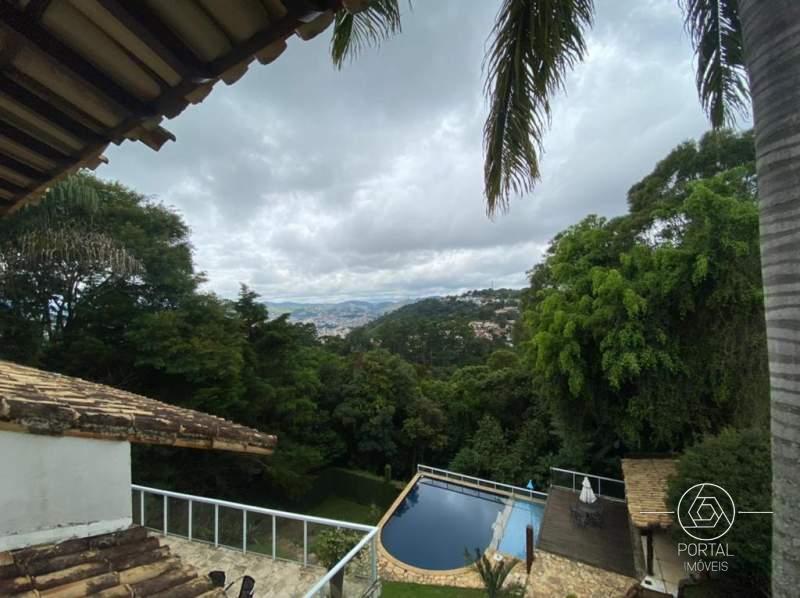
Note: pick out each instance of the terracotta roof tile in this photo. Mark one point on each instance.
(646, 491)
(125, 563)
(35, 401)
(81, 75)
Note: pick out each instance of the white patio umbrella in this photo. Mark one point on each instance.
(587, 494)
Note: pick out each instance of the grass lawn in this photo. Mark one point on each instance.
(393, 589)
(335, 507)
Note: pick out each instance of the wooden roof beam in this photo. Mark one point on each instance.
(140, 20)
(21, 168)
(280, 29)
(11, 187)
(45, 109)
(32, 33)
(32, 144)
(51, 98)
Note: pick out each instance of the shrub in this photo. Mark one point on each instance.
(738, 461)
(332, 545)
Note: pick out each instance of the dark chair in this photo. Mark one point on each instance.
(248, 585)
(596, 517)
(578, 515)
(217, 578)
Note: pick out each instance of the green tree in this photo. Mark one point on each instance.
(646, 330)
(380, 390)
(55, 253)
(423, 429)
(286, 372)
(486, 455)
(435, 332)
(745, 49)
(78, 266)
(196, 350)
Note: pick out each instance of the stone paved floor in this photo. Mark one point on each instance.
(274, 579)
(554, 576)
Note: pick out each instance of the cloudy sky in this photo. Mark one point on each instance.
(313, 184)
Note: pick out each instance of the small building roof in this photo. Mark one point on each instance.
(39, 402)
(76, 76)
(125, 563)
(646, 491)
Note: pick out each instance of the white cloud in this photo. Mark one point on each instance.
(307, 182)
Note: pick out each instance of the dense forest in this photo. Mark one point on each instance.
(444, 332)
(638, 334)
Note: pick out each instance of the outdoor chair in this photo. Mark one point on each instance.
(579, 516)
(595, 517)
(248, 587)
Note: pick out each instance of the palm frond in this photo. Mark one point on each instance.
(492, 574)
(716, 34)
(61, 230)
(534, 43)
(353, 33)
(48, 247)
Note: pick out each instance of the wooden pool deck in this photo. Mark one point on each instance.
(608, 547)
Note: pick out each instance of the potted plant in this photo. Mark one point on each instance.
(331, 546)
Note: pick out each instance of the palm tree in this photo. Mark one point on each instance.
(54, 251)
(748, 52)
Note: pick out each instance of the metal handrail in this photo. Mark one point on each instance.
(480, 481)
(600, 479)
(588, 475)
(370, 536)
(259, 510)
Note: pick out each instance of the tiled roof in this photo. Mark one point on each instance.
(646, 491)
(35, 401)
(76, 76)
(126, 563)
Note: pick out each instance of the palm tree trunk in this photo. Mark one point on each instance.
(771, 32)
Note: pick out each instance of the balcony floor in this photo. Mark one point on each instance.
(279, 579)
(608, 547)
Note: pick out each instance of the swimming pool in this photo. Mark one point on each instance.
(437, 521)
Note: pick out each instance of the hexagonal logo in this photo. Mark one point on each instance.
(706, 512)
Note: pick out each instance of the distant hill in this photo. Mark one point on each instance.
(333, 319)
(445, 331)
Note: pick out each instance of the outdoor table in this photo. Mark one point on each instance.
(586, 513)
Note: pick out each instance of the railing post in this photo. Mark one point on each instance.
(216, 525)
(244, 530)
(141, 508)
(305, 543)
(165, 514)
(573, 481)
(274, 539)
(190, 520)
(373, 557)
(599, 482)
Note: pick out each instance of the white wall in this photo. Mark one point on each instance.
(54, 487)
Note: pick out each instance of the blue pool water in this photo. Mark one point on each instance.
(437, 521)
(523, 513)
